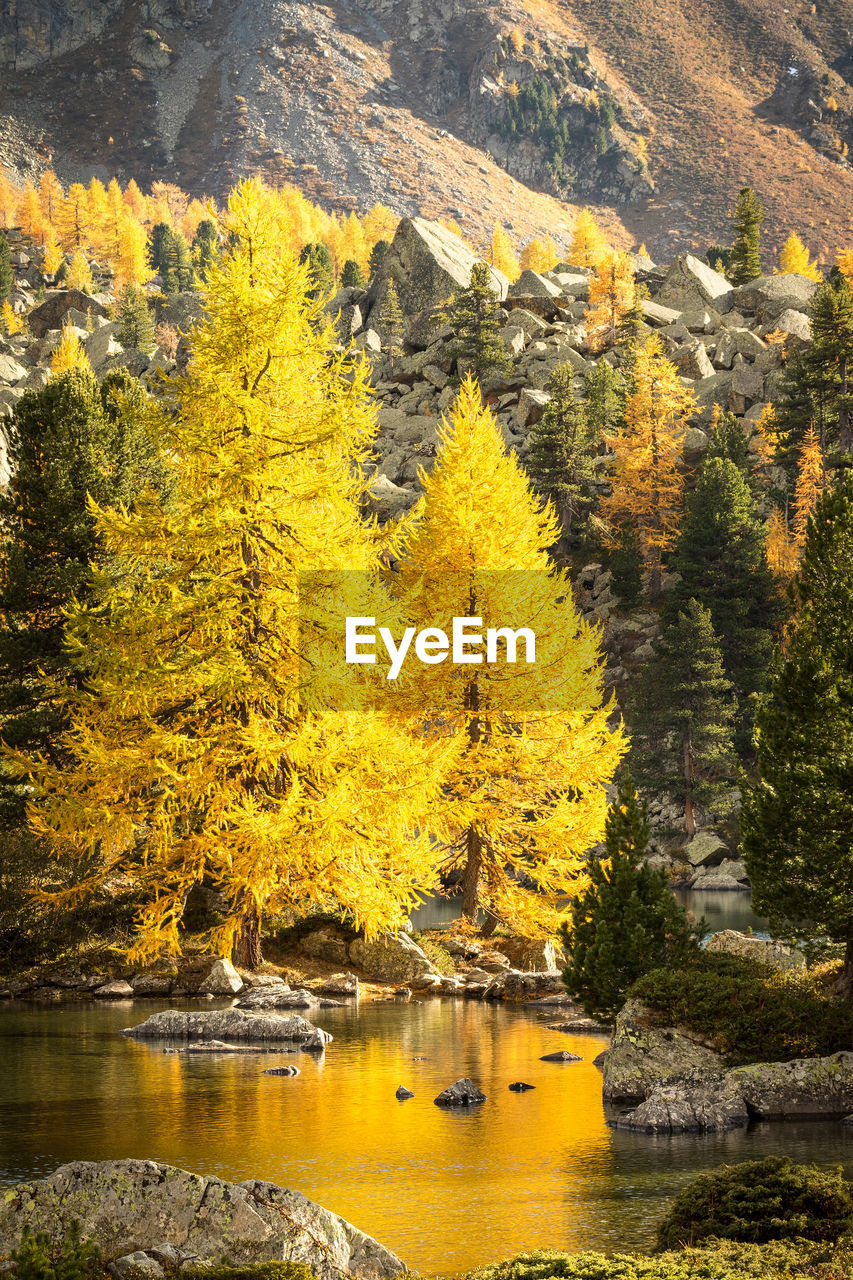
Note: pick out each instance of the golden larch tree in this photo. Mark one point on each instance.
(646, 458)
(79, 273)
(612, 292)
(781, 551)
(53, 255)
(811, 482)
(199, 747)
(524, 798)
(502, 255)
(69, 354)
(794, 257)
(588, 242)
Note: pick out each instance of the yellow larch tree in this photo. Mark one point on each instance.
(781, 551)
(198, 748)
(12, 322)
(524, 797)
(794, 257)
(502, 255)
(844, 262)
(811, 482)
(10, 199)
(71, 218)
(588, 244)
(646, 458)
(69, 354)
(135, 201)
(51, 195)
(30, 215)
(766, 439)
(53, 255)
(131, 263)
(612, 291)
(79, 273)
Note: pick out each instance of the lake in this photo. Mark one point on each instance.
(446, 1190)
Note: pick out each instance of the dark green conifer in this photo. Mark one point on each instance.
(626, 568)
(627, 921)
(176, 264)
(730, 443)
(322, 268)
(156, 236)
(137, 327)
(377, 253)
(7, 275)
(818, 388)
(205, 246)
(797, 818)
(352, 276)
(745, 259)
(392, 319)
(474, 317)
(605, 398)
(561, 444)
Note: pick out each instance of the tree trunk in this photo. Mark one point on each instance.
(246, 952)
(471, 876)
(687, 769)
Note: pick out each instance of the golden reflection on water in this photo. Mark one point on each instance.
(447, 1190)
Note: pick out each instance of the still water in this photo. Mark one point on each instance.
(446, 1190)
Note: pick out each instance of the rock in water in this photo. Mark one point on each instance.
(562, 1056)
(464, 1093)
(691, 1104)
(230, 1024)
(403, 1093)
(282, 1071)
(805, 1088)
(129, 1205)
(518, 1086)
(642, 1055)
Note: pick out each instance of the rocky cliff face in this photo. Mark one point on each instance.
(35, 31)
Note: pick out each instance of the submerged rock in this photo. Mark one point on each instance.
(282, 1071)
(130, 1205)
(403, 1093)
(229, 1024)
(464, 1093)
(519, 1086)
(278, 998)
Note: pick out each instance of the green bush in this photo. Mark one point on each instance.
(760, 1200)
(434, 951)
(718, 1260)
(38, 1258)
(253, 1271)
(751, 1012)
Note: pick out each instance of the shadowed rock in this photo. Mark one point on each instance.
(464, 1093)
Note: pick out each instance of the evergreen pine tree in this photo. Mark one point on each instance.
(137, 327)
(476, 344)
(683, 716)
(729, 441)
(626, 567)
(7, 275)
(818, 388)
(205, 246)
(377, 253)
(176, 262)
(319, 259)
(155, 245)
(70, 440)
(352, 276)
(605, 398)
(392, 319)
(627, 921)
(560, 457)
(745, 259)
(720, 554)
(797, 815)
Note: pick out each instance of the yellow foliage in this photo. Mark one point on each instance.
(811, 481)
(450, 224)
(648, 482)
(525, 791)
(845, 263)
(781, 551)
(11, 322)
(516, 39)
(29, 213)
(794, 257)
(767, 435)
(588, 243)
(79, 273)
(201, 746)
(53, 255)
(502, 254)
(612, 291)
(831, 104)
(69, 354)
(539, 255)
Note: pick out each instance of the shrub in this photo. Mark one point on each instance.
(37, 1258)
(760, 1200)
(751, 1012)
(253, 1271)
(435, 952)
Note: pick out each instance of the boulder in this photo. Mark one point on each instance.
(657, 314)
(531, 954)
(50, 313)
(562, 1056)
(692, 360)
(230, 1024)
(768, 296)
(135, 1266)
(530, 284)
(689, 1104)
(706, 849)
(278, 998)
(428, 264)
(796, 326)
(403, 1093)
(11, 370)
(765, 950)
(282, 1071)
(328, 944)
(464, 1093)
(119, 990)
(128, 1205)
(519, 1086)
(340, 984)
(387, 500)
(690, 284)
(152, 984)
(392, 958)
(222, 980)
(805, 1088)
(643, 1055)
(101, 345)
(531, 406)
(180, 310)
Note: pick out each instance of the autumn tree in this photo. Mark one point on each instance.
(524, 796)
(69, 354)
(588, 244)
(683, 716)
(79, 273)
(476, 345)
(745, 259)
(811, 482)
(798, 812)
(502, 255)
(627, 921)
(539, 255)
(611, 297)
(200, 749)
(646, 453)
(71, 440)
(560, 449)
(53, 255)
(781, 551)
(794, 257)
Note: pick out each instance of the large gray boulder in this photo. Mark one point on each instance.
(130, 1205)
(806, 1088)
(11, 370)
(530, 284)
(690, 283)
(768, 296)
(642, 1055)
(694, 1103)
(765, 950)
(230, 1024)
(222, 980)
(428, 264)
(391, 958)
(50, 313)
(706, 849)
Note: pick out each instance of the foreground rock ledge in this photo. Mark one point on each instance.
(230, 1025)
(130, 1205)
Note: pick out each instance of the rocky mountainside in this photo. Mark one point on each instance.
(508, 111)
